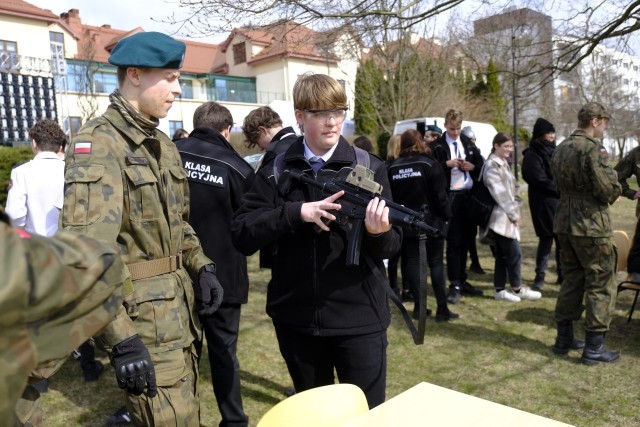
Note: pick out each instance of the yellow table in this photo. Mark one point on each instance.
(431, 405)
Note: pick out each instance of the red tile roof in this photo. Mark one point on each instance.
(283, 39)
(96, 44)
(22, 8)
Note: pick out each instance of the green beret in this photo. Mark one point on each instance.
(148, 50)
(593, 110)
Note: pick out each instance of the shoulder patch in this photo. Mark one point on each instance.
(82, 147)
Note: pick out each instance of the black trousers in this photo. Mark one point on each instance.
(458, 235)
(633, 261)
(221, 330)
(357, 359)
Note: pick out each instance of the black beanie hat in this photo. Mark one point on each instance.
(542, 127)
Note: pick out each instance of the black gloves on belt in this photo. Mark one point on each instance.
(134, 368)
(208, 291)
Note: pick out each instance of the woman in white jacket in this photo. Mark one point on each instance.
(503, 228)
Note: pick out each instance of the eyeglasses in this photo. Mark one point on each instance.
(337, 114)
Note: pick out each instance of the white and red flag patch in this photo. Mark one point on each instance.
(82, 148)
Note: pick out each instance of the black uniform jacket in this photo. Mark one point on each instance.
(418, 180)
(472, 154)
(280, 143)
(311, 289)
(218, 177)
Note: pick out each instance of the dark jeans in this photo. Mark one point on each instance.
(357, 359)
(508, 262)
(544, 253)
(460, 230)
(410, 266)
(633, 260)
(221, 330)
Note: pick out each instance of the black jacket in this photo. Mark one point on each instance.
(543, 195)
(280, 143)
(312, 290)
(218, 178)
(418, 180)
(472, 154)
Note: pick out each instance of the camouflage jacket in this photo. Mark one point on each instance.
(126, 187)
(628, 166)
(587, 185)
(56, 293)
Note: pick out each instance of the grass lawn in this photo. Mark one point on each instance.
(497, 351)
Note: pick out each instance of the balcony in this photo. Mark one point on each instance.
(14, 63)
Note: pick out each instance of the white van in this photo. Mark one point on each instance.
(484, 131)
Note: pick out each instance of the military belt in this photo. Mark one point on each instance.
(156, 267)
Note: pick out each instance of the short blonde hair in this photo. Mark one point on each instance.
(453, 117)
(318, 91)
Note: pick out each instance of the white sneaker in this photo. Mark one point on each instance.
(528, 294)
(505, 295)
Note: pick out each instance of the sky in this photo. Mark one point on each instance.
(124, 14)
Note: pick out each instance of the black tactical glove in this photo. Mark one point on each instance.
(134, 368)
(208, 291)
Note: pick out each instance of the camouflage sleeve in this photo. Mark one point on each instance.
(56, 293)
(606, 187)
(93, 190)
(624, 168)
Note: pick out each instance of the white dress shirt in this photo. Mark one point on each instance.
(36, 194)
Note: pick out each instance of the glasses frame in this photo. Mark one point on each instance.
(332, 113)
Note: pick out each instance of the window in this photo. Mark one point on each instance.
(635, 68)
(74, 125)
(105, 82)
(625, 81)
(234, 90)
(187, 89)
(239, 53)
(625, 65)
(174, 125)
(9, 59)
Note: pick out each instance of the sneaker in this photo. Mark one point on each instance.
(537, 286)
(454, 295)
(528, 294)
(120, 418)
(505, 295)
(469, 289)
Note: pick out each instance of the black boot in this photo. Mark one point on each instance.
(595, 352)
(565, 340)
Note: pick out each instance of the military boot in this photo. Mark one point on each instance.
(595, 352)
(565, 340)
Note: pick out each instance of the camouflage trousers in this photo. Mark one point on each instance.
(588, 265)
(177, 403)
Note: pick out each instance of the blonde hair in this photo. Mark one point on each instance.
(393, 147)
(453, 117)
(318, 91)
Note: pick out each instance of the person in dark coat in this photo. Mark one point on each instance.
(329, 317)
(543, 196)
(461, 161)
(263, 128)
(417, 180)
(218, 178)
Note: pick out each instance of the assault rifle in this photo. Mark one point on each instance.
(359, 189)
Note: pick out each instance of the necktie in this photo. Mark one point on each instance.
(457, 153)
(316, 163)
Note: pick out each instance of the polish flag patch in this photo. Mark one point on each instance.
(82, 148)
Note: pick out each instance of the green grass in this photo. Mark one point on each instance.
(496, 351)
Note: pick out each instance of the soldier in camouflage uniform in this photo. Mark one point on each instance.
(124, 184)
(628, 166)
(587, 185)
(56, 293)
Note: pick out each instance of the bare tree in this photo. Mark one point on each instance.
(87, 99)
